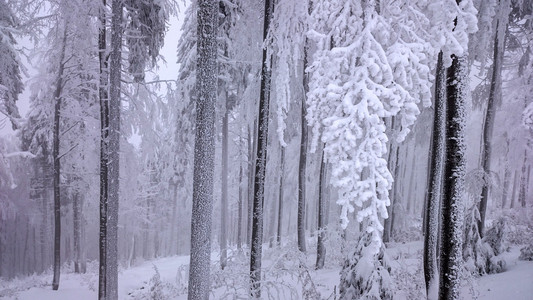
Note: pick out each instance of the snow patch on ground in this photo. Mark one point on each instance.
(134, 283)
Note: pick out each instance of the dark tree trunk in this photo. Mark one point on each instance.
(104, 139)
(251, 166)
(435, 179)
(453, 183)
(280, 198)
(260, 166)
(57, 164)
(303, 159)
(111, 267)
(321, 247)
(523, 182)
(204, 151)
(495, 87)
(76, 231)
(240, 204)
(224, 196)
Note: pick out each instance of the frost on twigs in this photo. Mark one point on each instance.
(365, 274)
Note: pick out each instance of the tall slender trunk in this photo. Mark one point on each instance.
(488, 125)
(523, 182)
(515, 188)
(303, 157)
(104, 159)
(224, 196)
(110, 110)
(251, 166)
(240, 204)
(204, 151)
(76, 231)
(435, 178)
(321, 247)
(280, 196)
(506, 182)
(260, 166)
(57, 163)
(453, 181)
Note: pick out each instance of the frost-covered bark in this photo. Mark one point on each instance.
(104, 141)
(301, 178)
(453, 182)
(260, 165)
(435, 180)
(113, 184)
(204, 151)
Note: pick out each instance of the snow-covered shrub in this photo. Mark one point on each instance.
(365, 274)
(409, 278)
(156, 289)
(156, 286)
(496, 236)
(526, 253)
(479, 255)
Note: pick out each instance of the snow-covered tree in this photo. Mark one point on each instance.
(204, 150)
(10, 66)
(369, 66)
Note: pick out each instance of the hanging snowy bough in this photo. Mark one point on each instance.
(369, 66)
(286, 39)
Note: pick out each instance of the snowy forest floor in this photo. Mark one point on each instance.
(283, 278)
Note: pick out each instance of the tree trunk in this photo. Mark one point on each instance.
(515, 188)
(260, 166)
(435, 178)
(104, 160)
(224, 196)
(204, 151)
(523, 183)
(506, 182)
(76, 230)
(488, 125)
(57, 164)
(321, 247)
(453, 181)
(251, 166)
(280, 198)
(303, 157)
(240, 204)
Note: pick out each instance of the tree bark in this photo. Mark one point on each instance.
(321, 247)
(488, 125)
(435, 179)
(204, 151)
(240, 204)
(57, 163)
(224, 196)
(453, 183)
(104, 160)
(260, 166)
(280, 198)
(523, 183)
